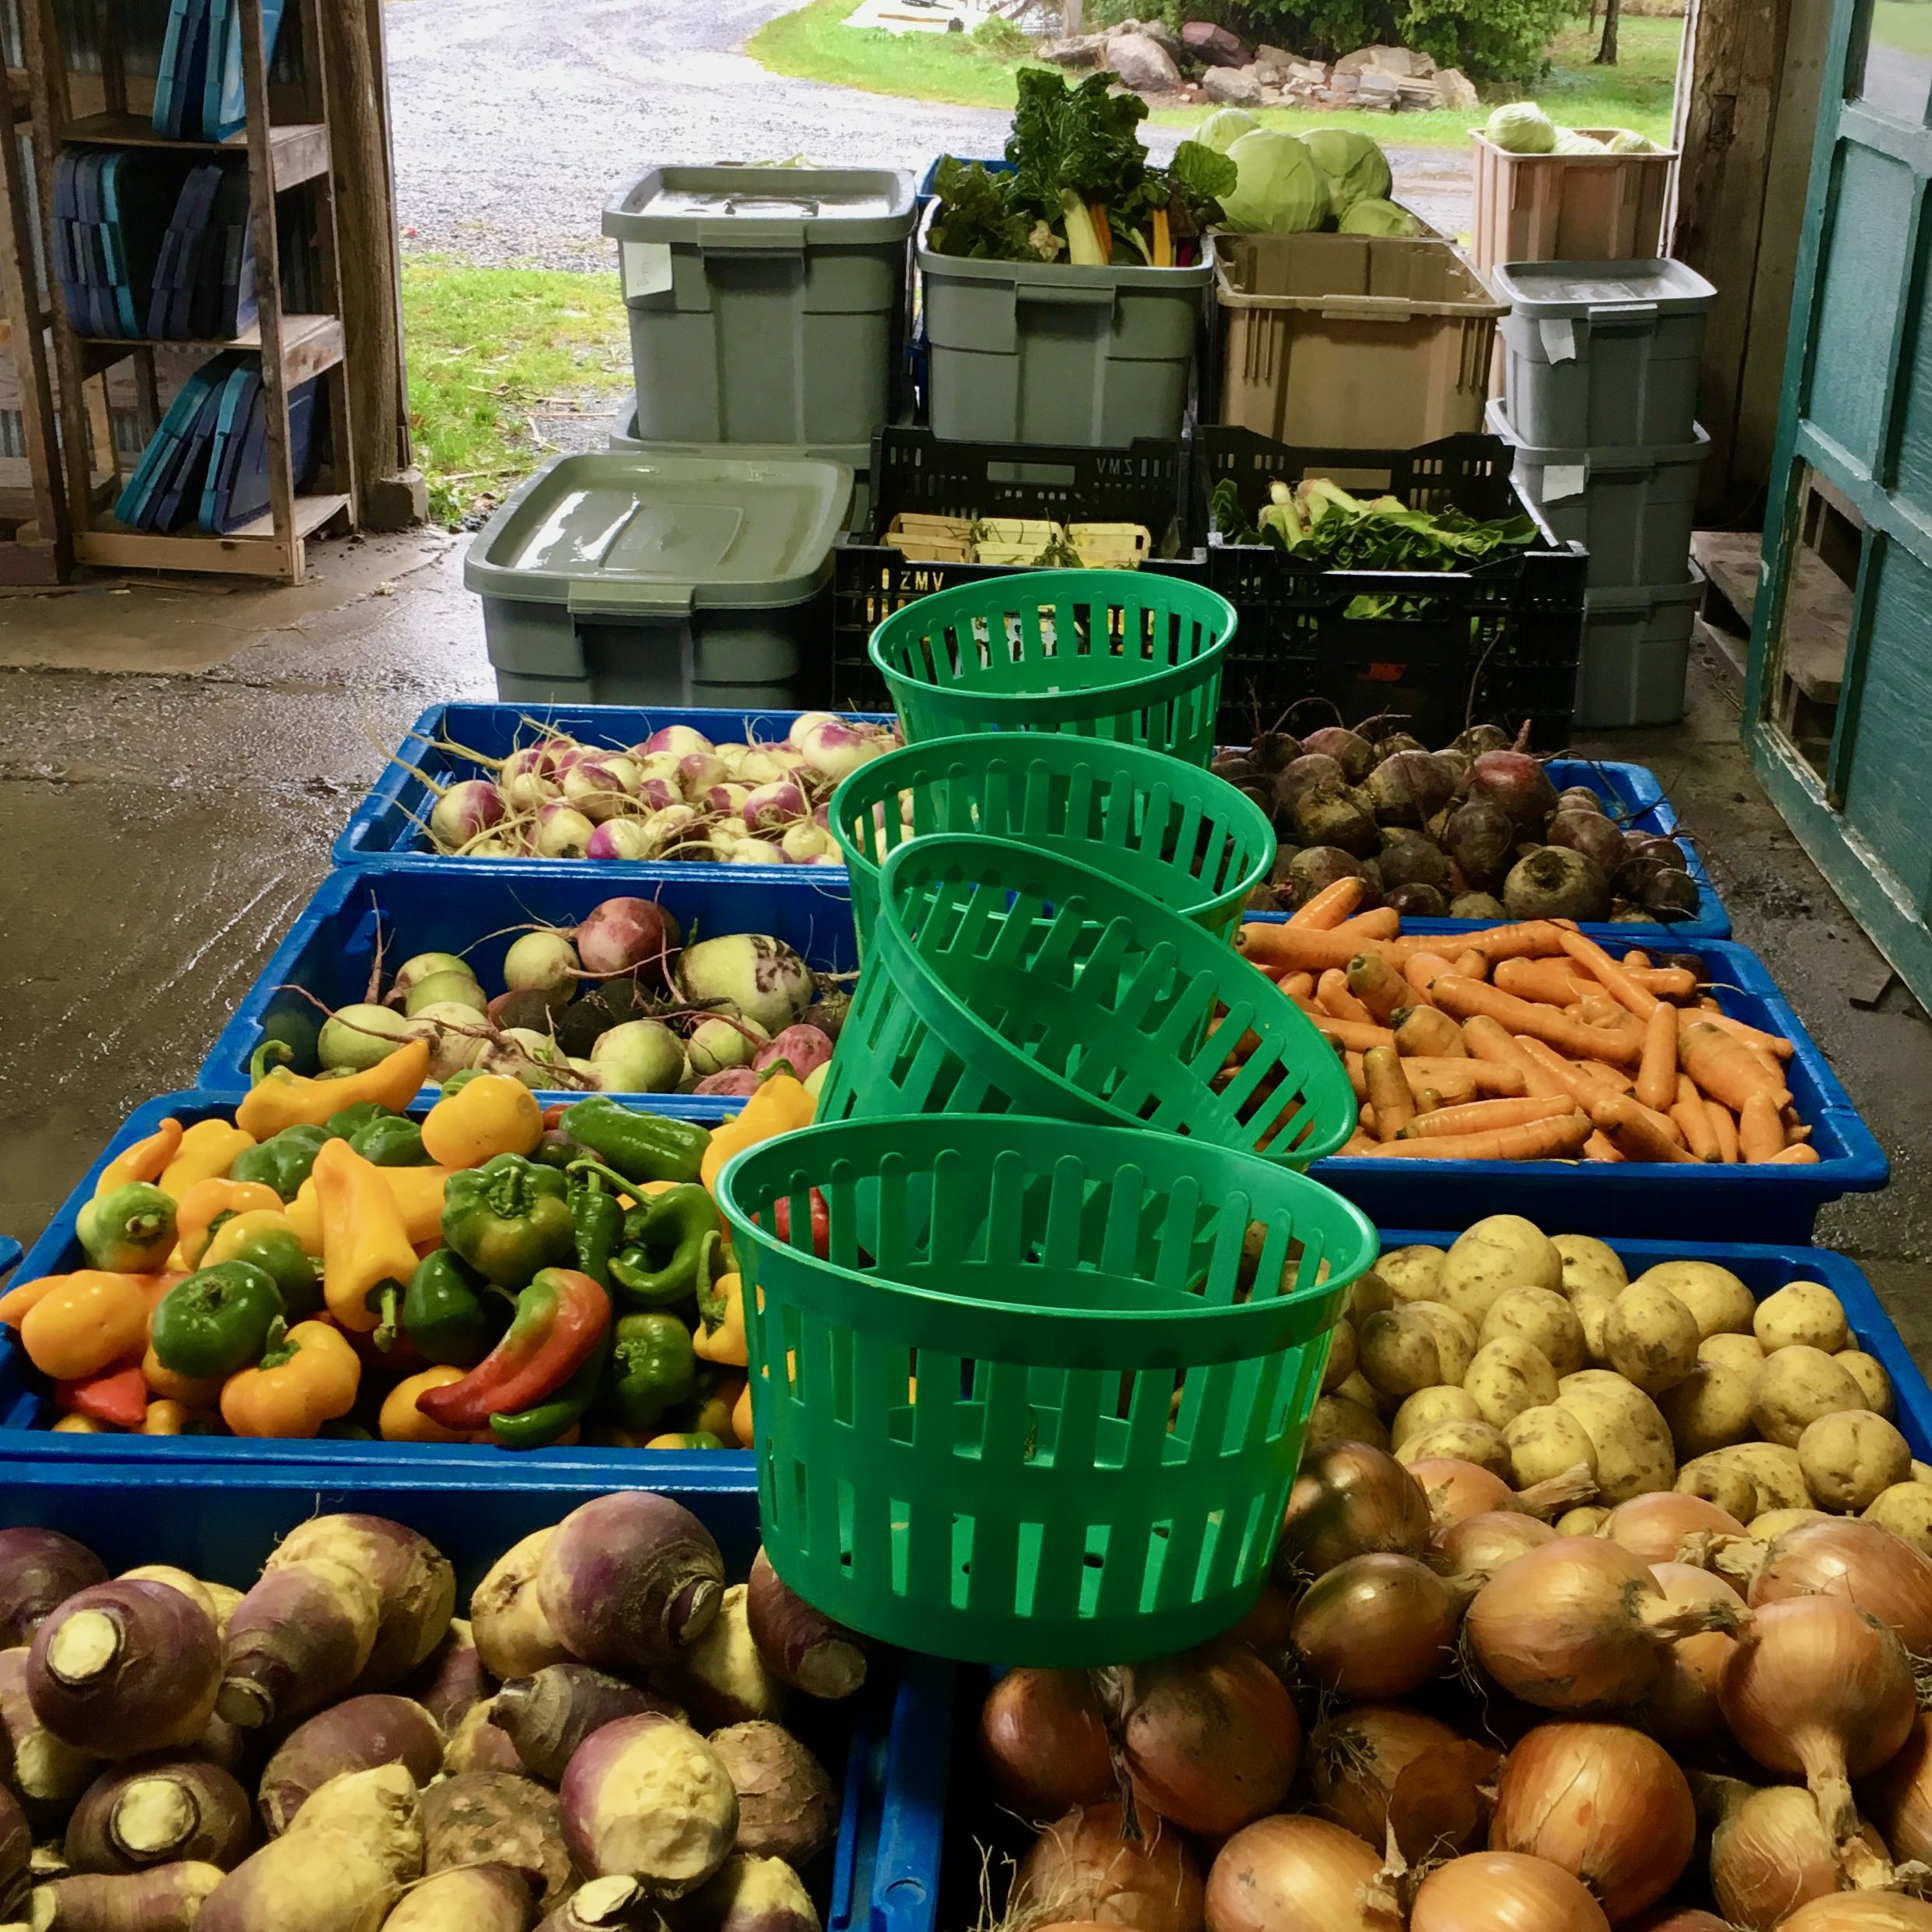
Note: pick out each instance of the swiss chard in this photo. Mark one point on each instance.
(1322, 524)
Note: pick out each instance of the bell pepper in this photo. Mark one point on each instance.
(489, 1115)
(508, 1219)
(598, 1218)
(402, 1421)
(129, 1230)
(653, 1368)
(24, 1295)
(280, 1099)
(688, 1439)
(168, 1417)
(216, 1322)
(720, 1336)
(309, 1375)
(209, 1204)
(741, 1424)
(116, 1395)
(146, 1160)
(208, 1150)
(264, 1238)
(368, 1256)
(78, 1426)
(88, 1321)
(202, 1393)
(779, 1104)
(547, 1423)
(390, 1140)
(283, 1161)
(640, 1146)
(821, 1224)
(417, 1192)
(452, 1315)
(561, 1321)
(353, 1119)
(665, 1239)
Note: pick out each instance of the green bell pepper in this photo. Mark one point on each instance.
(216, 1321)
(454, 1316)
(128, 1231)
(665, 1237)
(352, 1119)
(640, 1146)
(652, 1367)
(391, 1140)
(509, 1218)
(283, 1161)
(539, 1426)
(280, 1256)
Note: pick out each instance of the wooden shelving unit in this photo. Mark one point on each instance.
(282, 157)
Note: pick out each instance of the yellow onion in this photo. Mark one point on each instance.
(1298, 1874)
(1681, 1708)
(1045, 1743)
(1349, 1500)
(1770, 1854)
(1376, 1627)
(1656, 1527)
(1081, 1866)
(1504, 1891)
(1374, 1766)
(1839, 1556)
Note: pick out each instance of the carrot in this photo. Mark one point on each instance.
(1493, 1045)
(1365, 1117)
(1571, 1076)
(1481, 1115)
(1614, 979)
(1554, 982)
(1472, 965)
(1799, 1156)
(1636, 961)
(1308, 949)
(1693, 1123)
(1775, 1044)
(1600, 1010)
(1330, 905)
(1354, 1034)
(1610, 1076)
(1636, 1132)
(1421, 1030)
(1422, 970)
(1383, 922)
(1724, 1068)
(1675, 983)
(1760, 1130)
(1298, 985)
(1530, 939)
(1352, 1064)
(1463, 998)
(1723, 1125)
(1427, 1101)
(1597, 1147)
(1357, 1144)
(1378, 986)
(1559, 1139)
(1490, 1077)
(1657, 1071)
(1388, 1092)
(1332, 995)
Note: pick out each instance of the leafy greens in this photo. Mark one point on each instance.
(1321, 523)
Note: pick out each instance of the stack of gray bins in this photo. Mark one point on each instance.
(1601, 371)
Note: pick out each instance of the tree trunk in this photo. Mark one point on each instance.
(1606, 52)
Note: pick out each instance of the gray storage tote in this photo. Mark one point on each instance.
(1602, 352)
(1636, 654)
(767, 305)
(640, 578)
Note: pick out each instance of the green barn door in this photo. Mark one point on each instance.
(1839, 708)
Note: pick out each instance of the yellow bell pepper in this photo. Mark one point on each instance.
(189, 1392)
(741, 1417)
(402, 1421)
(281, 1099)
(418, 1193)
(309, 1376)
(491, 1114)
(208, 1150)
(146, 1160)
(168, 1417)
(715, 1416)
(91, 1319)
(198, 1207)
(722, 1339)
(365, 1241)
(14, 1304)
(82, 1426)
(780, 1104)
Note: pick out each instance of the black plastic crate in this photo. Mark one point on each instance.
(1150, 482)
(1497, 644)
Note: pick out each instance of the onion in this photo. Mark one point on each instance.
(1210, 1738)
(1843, 1557)
(1298, 1874)
(1376, 1765)
(1081, 1866)
(1677, 1919)
(1044, 1744)
(1862, 1912)
(1770, 1854)
(1604, 1802)
(1504, 1891)
(1471, 1551)
(1580, 1622)
(1899, 1795)
(1819, 1686)
(1654, 1527)
(1682, 1707)
(1377, 1626)
(1349, 1500)
(1457, 1488)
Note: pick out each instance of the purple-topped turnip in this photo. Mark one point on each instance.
(163, 1898)
(157, 1810)
(616, 1904)
(562, 831)
(628, 1580)
(123, 1668)
(788, 1807)
(546, 1716)
(802, 1645)
(491, 1817)
(358, 1734)
(723, 1678)
(46, 1775)
(39, 1569)
(803, 1048)
(477, 1744)
(415, 1586)
(648, 1798)
(754, 1894)
(16, 1851)
(451, 1679)
(747, 976)
(507, 1623)
(474, 1899)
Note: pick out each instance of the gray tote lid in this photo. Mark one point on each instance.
(764, 208)
(1605, 291)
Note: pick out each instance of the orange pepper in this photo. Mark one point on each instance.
(92, 1319)
(366, 1243)
(779, 1104)
(188, 1392)
(402, 1421)
(146, 1160)
(198, 1207)
(208, 1150)
(23, 1296)
(168, 1417)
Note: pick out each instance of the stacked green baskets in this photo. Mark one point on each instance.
(1038, 1309)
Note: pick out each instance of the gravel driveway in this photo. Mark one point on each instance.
(513, 122)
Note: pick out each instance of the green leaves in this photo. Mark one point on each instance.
(1083, 138)
(1322, 524)
(975, 219)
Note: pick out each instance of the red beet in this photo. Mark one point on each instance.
(1592, 834)
(1515, 781)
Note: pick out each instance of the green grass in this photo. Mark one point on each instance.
(1904, 25)
(814, 44)
(489, 348)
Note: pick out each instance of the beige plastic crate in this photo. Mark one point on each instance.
(931, 540)
(1351, 342)
(1110, 546)
(1569, 207)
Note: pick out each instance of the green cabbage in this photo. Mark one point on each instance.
(1623, 140)
(1277, 189)
(1356, 168)
(1570, 141)
(1221, 130)
(1521, 126)
(1378, 217)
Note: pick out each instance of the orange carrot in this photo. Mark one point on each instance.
(1636, 1132)
(1479, 1115)
(1388, 1092)
(1298, 985)
(1561, 1138)
(1597, 1147)
(1760, 1130)
(1330, 905)
(1472, 965)
(1427, 1101)
(1610, 1076)
(1554, 982)
(1352, 1064)
(1723, 1124)
(1657, 1071)
(1378, 986)
(1421, 1030)
(1354, 1034)
(1637, 961)
(1383, 922)
(1600, 1010)
(1490, 1077)
(1420, 969)
(1365, 1117)
(1492, 1044)
(1725, 1068)
(1675, 983)
(1530, 939)
(1572, 1076)
(1332, 995)
(1775, 1044)
(1358, 1144)
(1462, 998)
(1692, 1121)
(1799, 1156)
(1306, 948)
(1613, 978)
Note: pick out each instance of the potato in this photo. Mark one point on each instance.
(1775, 1470)
(1721, 1303)
(1507, 1376)
(1428, 1406)
(1414, 1345)
(1774, 1522)
(1744, 1352)
(1335, 1418)
(1358, 1388)
(1634, 1455)
(1797, 1385)
(1368, 1294)
(1590, 1267)
(1341, 1364)
(1592, 1317)
(1544, 1319)
(1922, 1473)
(1851, 1458)
(1709, 1410)
(1730, 1485)
(1477, 1442)
(1802, 1314)
(1544, 1441)
(1873, 1384)
(1650, 1338)
(1906, 1509)
(1413, 1274)
(1584, 1522)
(1503, 1252)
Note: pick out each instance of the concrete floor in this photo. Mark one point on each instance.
(181, 757)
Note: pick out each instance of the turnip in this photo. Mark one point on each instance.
(629, 1580)
(359, 1734)
(1553, 882)
(1410, 788)
(39, 1569)
(788, 1807)
(616, 1904)
(602, 788)
(749, 975)
(835, 750)
(121, 1669)
(660, 794)
(723, 1678)
(642, 1056)
(165, 1899)
(800, 1047)
(626, 935)
(714, 1046)
(452, 1680)
(762, 766)
(647, 1798)
(46, 1775)
(356, 1036)
(299, 1639)
(155, 1811)
(443, 991)
(770, 807)
(464, 811)
(457, 1042)
(679, 740)
(562, 832)
(16, 1850)
(698, 772)
(543, 963)
(1350, 750)
(477, 1745)
(523, 1053)
(807, 844)
(415, 1586)
(753, 1895)
(423, 966)
(512, 1635)
(548, 1715)
(800, 1644)
(749, 851)
(727, 800)
(626, 837)
(491, 1817)
(527, 787)
(476, 1898)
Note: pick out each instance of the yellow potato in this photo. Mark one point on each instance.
(1502, 1252)
(1545, 1441)
(1744, 1352)
(1507, 1376)
(1413, 1274)
(1414, 1345)
(1709, 1410)
(1337, 1419)
(1341, 1364)
(1368, 1294)
(1593, 1316)
(1802, 1314)
(1543, 1318)
(1720, 1302)
(1476, 1442)
(1650, 1338)
(1906, 1509)
(1774, 1522)
(1589, 1267)
(1851, 1458)
(1428, 1406)
(1584, 1522)
(1773, 1468)
(1730, 1485)
(1873, 1384)
(1634, 1452)
(1796, 1385)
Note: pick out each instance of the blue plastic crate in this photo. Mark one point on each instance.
(387, 827)
(217, 1522)
(1612, 1198)
(330, 949)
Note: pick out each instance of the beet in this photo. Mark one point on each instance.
(1458, 762)
(1654, 845)
(1395, 744)
(1410, 788)
(1437, 828)
(1274, 751)
(1670, 895)
(1264, 898)
(1372, 886)
(1479, 837)
(1515, 781)
(1233, 766)
(1299, 875)
(1592, 834)
(1579, 798)
(1553, 882)
(1410, 859)
(1350, 750)
(578, 1027)
(1479, 738)
(1311, 770)
(523, 1008)
(1419, 902)
(1477, 906)
(1327, 815)
(1261, 791)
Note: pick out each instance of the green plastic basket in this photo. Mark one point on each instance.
(1034, 1407)
(1126, 655)
(1177, 833)
(1001, 980)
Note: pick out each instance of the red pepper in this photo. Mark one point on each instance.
(821, 1224)
(560, 1320)
(117, 1396)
